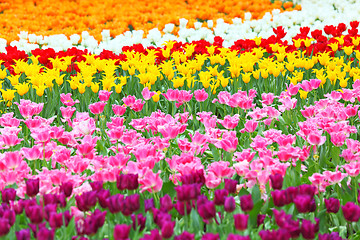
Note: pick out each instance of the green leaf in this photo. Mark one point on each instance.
(168, 188)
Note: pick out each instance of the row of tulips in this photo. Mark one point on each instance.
(188, 215)
(259, 142)
(265, 64)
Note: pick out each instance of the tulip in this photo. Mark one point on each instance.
(32, 187)
(66, 188)
(309, 229)
(332, 205)
(207, 210)
(166, 203)
(121, 231)
(220, 195)
(23, 234)
(4, 226)
(246, 203)
(185, 236)
(8, 194)
(230, 185)
(351, 212)
(167, 229)
(229, 204)
(45, 233)
(237, 237)
(55, 220)
(276, 181)
(138, 220)
(241, 221)
(210, 236)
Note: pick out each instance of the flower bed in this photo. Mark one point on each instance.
(257, 139)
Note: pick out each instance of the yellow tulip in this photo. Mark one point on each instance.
(22, 88)
(303, 94)
(246, 77)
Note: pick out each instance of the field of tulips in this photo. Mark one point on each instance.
(191, 132)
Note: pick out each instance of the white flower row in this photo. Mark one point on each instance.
(314, 14)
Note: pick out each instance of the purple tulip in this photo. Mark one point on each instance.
(154, 235)
(149, 204)
(246, 203)
(237, 237)
(138, 220)
(194, 177)
(332, 205)
(127, 181)
(281, 218)
(32, 187)
(188, 192)
(121, 232)
(279, 197)
(260, 219)
(229, 204)
(8, 194)
(210, 236)
(291, 193)
(276, 181)
(67, 217)
(96, 186)
(351, 212)
(34, 213)
(114, 203)
(180, 207)
(23, 234)
(167, 229)
(66, 188)
(4, 226)
(94, 222)
(230, 185)
(102, 196)
(207, 210)
(48, 209)
(220, 195)
(166, 203)
(241, 221)
(45, 233)
(307, 189)
(131, 204)
(185, 236)
(10, 216)
(303, 203)
(330, 236)
(86, 201)
(55, 220)
(309, 229)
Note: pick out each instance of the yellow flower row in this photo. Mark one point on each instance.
(212, 71)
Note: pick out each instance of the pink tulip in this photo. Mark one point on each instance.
(151, 182)
(267, 98)
(147, 94)
(67, 100)
(221, 169)
(36, 152)
(250, 126)
(230, 122)
(138, 105)
(316, 139)
(118, 110)
(104, 95)
(201, 95)
(97, 108)
(10, 140)
(13, 159)
(28, 109)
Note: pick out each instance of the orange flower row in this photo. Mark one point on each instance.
(48, 17)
